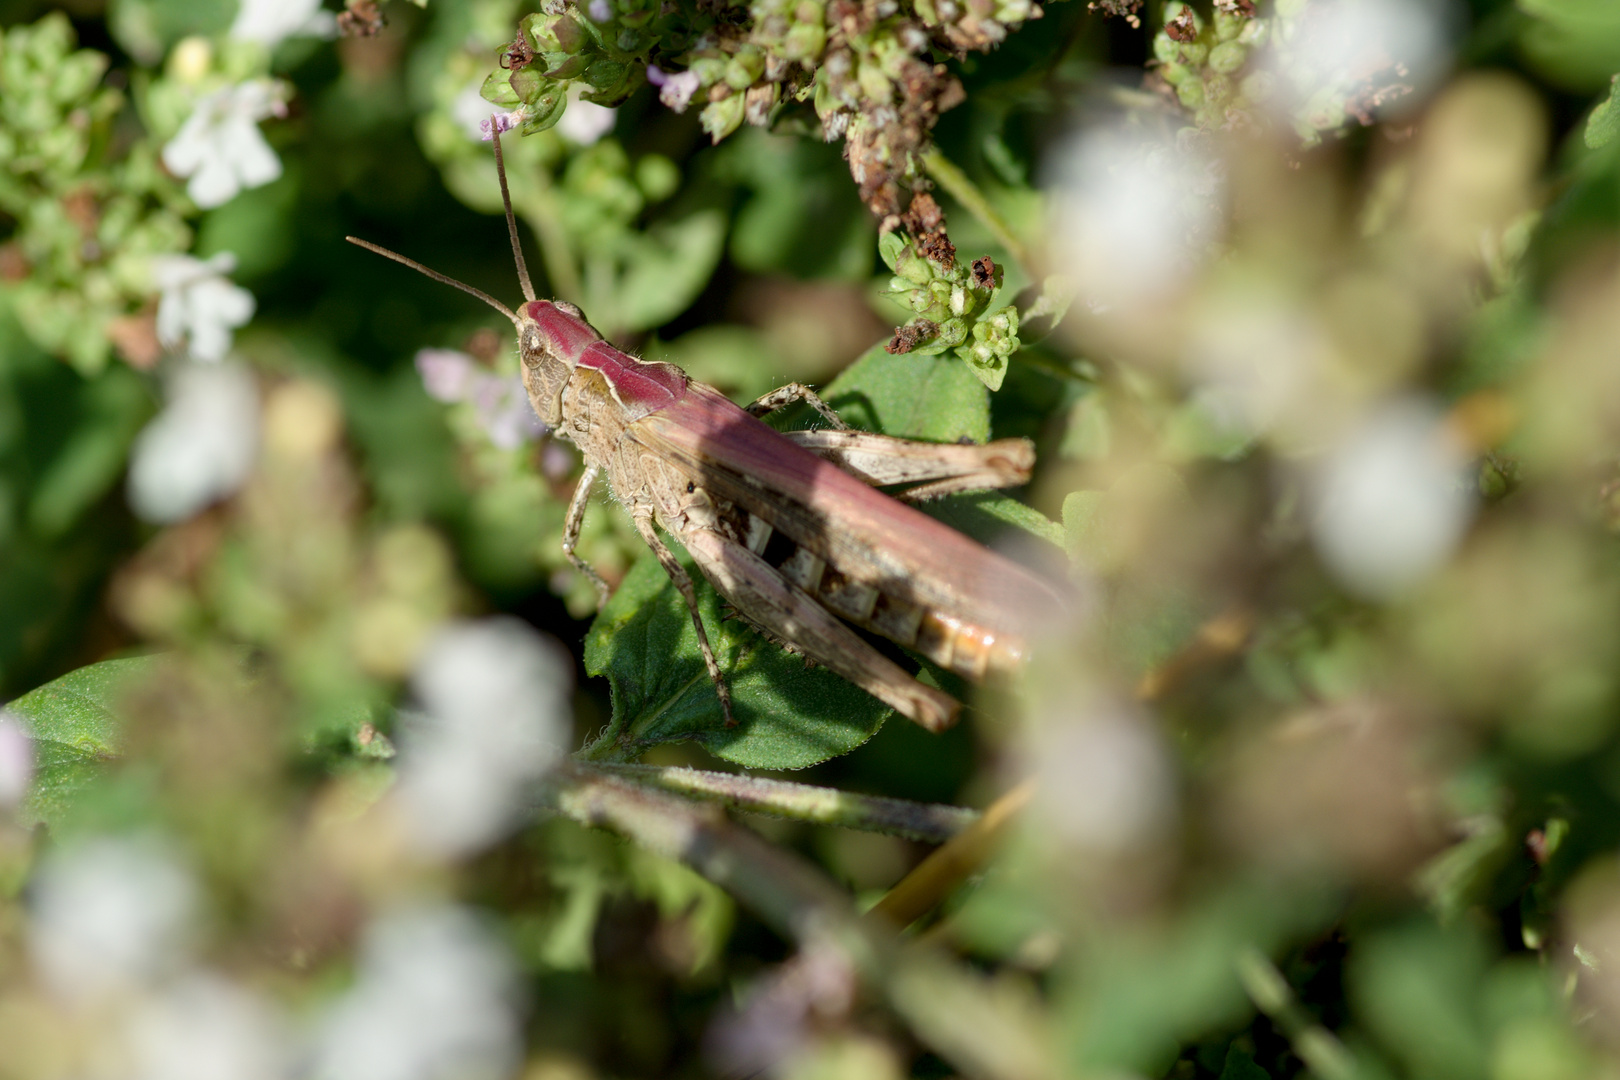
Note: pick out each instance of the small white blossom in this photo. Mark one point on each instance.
(270, 22)
(198, 306)
(16, 760)
(434, 999)
(206, 1028)
(584, 122)
(495, 700)
(1392, 500)
(220, 146)
(200, 447)
(109, 913)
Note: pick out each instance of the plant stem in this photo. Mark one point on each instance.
(937, 876)
(930, 822)
(1318, 1047)
(977, 1028)
(967, 193)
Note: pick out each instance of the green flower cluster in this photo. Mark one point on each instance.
(75, 267)
(952, 303)
(866, 68)
(1204, 59)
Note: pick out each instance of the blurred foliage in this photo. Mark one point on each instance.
(1310, 307)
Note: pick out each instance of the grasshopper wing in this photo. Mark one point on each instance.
(866, 535)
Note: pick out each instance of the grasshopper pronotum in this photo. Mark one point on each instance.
(786, 526)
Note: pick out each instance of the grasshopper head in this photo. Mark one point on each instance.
(551, 337)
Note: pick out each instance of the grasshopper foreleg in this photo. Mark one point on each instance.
(571, 526)
(767, 599)
(935, 468)
(783, 396)
(683, 581)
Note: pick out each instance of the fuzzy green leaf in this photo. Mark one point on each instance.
(75, 727)
(1604, 122)
(916, 397)
(788, 716)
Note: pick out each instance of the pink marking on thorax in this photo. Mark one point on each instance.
(567, 334)
(641, 385)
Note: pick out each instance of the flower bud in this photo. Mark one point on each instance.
(1227, 57)
(721, 118)
(952, 332)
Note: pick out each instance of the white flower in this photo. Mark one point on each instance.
(206, 1028)
(496, 714)
(198, 305)
(1392, 500)
(200, 447)
(1106, 785)
(16, 760)
(1136, 212)
(584, 122)
(433, 1001)
(108, 913)
(269, 22)
(220, 146)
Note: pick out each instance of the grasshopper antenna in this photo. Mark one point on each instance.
(511, 222)
(436, 276)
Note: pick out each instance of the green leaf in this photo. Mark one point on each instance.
(1241, 1066)
(75, 727)
(986, 515)
(1604, 122)
(498, 90)
(788, 716)
(916, 397)
(656, 275)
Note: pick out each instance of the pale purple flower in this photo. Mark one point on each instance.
(501, 123)
(16, 760)
(220, 146)
(600, 11)
(500, 401)
(675, 89)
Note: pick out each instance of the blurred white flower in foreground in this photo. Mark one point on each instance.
(433, 1000)
(200, 447)
(495, 699)
(1135, 213)
(220, 146)
(16, 760)
(1374, 55)
(1105, 785)
(206, 1028)
(270, 22)
(500, 401)
(198, 305)
(1392, 500)
(1258, 363)
(470, 110)
(109, 913)
(583, 122)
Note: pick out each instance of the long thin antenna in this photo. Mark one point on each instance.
(436, 276)
(511, 222)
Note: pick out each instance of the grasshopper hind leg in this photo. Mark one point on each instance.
(783, 396)
(683, 581)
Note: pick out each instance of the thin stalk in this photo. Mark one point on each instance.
(1318, 1047)
(945, 868)
(959, 1014)
(929, 822)
(967, 193)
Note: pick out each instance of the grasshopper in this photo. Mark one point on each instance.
(788, 527)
